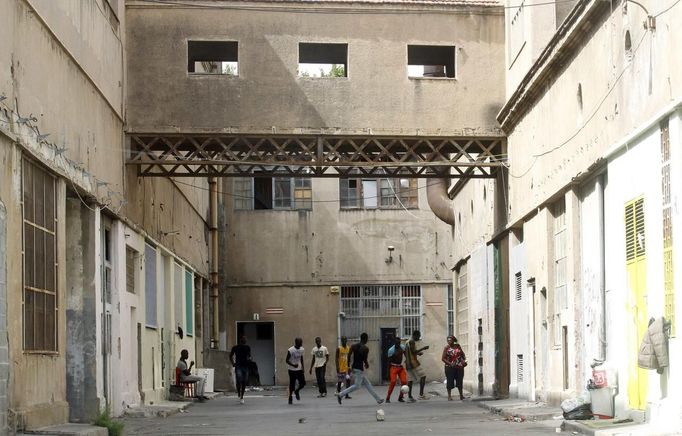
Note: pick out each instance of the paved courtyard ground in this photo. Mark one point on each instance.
(269, 414)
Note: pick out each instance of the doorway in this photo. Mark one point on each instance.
(387, 340)
(260, 336)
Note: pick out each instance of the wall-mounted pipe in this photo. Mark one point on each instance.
(213, 210)
(439, 201)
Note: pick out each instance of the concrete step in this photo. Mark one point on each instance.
(70, 430)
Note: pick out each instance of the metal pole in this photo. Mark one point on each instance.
(213, 206)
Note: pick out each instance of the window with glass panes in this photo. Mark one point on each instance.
(283, 193)
(393, 193)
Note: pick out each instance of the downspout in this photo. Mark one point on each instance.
(602, 265)
(213, 228)
(439, 201)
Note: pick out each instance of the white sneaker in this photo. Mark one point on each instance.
(241, 401)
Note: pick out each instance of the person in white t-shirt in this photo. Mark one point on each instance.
(295, 366)
(319, 362)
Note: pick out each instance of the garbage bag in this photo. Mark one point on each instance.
(582, 412)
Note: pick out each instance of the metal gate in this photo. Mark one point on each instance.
(368, 308)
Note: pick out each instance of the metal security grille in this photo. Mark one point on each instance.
(519, 368)
(40, 296)
(668, 276)
(517, 284)
(462, 308)
(368, 308)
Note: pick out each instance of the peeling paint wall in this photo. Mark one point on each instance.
(4, 349)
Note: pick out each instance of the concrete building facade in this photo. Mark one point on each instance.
(592, 117)
(302, 266)
(76, 221)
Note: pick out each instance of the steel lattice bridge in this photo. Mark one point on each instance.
(241, 155)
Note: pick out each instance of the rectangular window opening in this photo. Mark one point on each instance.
(40, 294)
(213, 57)
(518, 287)
(431, 61)
(266, 193)
(322, 60)
(382, 193)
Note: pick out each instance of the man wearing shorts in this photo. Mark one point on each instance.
(415, 372)
(342, 365)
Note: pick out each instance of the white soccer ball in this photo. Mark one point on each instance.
(404, 389)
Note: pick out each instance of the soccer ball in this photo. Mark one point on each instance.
(404, 389)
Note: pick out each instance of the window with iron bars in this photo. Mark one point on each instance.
(40, 307)
(281, 193)
(368, 308)
(378, 193)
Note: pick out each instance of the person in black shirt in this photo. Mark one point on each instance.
(358, 355)
(240, 356)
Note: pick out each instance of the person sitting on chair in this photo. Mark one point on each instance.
(187, 377)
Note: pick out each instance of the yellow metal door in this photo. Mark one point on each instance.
(635, 248)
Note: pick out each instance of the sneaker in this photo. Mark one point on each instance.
(388, 401)
(401, 400)
(241, 401)
(338, 398)
(290, 401)
(298, 395)
(324, 394)
(380, 401)
(320, 395)
(411, 400)
(348, 397)
(423, 397)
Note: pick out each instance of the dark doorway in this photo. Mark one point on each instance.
(260, 336)
(387, 338)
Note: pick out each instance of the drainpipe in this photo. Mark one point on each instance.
(213, 227)
(439, 201)
(602, 265)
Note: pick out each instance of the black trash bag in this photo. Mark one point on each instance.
(254, 377)
(582, 412)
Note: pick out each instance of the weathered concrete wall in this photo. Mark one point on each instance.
(269, 97)
(64, 66)
(622, 313)
(82, 353)
(312, 310)
(4, 348)
(611, 109)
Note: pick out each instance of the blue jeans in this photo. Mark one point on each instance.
(241, 374)
(360, 380)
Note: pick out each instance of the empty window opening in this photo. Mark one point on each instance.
(628, 45)
(431, 61)
(213, 57)
(579, 98)
(322, 60)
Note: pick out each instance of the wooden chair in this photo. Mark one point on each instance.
(188, 385)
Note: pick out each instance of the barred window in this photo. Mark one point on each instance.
(368, 308)
(394, 193)
(131, 266)
(40, 307)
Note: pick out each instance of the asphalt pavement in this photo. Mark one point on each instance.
(267, 413)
